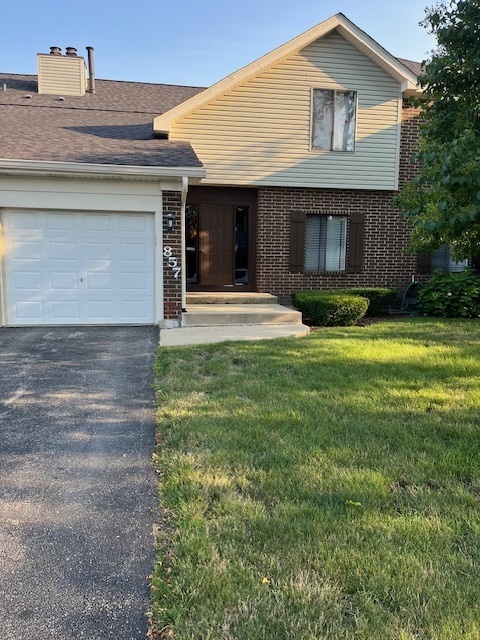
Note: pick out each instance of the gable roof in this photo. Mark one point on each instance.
(112, 126)
(340, 23)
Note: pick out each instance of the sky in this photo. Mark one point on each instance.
(191, 42)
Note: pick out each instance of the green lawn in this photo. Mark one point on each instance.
(322, 488)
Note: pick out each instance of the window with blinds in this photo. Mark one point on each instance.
(325, 243)
(333, 122)
(442, 260)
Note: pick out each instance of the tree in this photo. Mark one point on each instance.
(443, 201)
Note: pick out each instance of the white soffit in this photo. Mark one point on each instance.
(339, 22)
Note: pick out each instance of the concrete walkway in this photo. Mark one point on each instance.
(221, 333)
(77, 487)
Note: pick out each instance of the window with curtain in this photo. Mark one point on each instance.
(333, 122)
(442, 259)
(325, 243)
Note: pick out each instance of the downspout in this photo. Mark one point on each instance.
(183, 242)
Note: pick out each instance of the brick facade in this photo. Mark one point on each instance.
(385, 261)
(172, 287)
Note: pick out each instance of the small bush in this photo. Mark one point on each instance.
(381, 298)
(451, 295)
(330, 308)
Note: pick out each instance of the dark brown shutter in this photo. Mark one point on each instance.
(297, 241)
(424, 264)
(356, 241)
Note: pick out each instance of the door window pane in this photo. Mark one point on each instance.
(241, 245)
(191, 237)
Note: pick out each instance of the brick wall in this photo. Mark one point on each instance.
(385, 260)
(172, 285)
(408, 144)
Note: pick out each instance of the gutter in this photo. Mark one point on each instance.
(84, 170)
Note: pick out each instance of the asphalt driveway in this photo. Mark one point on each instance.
(77, 488)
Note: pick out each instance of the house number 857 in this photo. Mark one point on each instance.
(172, 261)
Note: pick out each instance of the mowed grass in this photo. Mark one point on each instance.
(326, 487)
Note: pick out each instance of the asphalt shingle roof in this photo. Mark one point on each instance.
(112, 126)
(415, 67)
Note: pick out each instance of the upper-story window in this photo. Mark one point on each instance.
(333, 122)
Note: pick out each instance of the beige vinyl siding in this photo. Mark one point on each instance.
(258, 133)
(61, 75)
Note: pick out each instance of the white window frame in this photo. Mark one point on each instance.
(312, 121)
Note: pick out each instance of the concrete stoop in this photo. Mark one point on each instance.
(219, 317)
(207, 315)
(232, 297)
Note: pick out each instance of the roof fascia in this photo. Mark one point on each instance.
(362, 41)
(346, 28)
(105, 171)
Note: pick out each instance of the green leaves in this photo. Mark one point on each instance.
(444, 197)
(451, 295)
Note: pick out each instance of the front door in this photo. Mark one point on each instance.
(216, 245)
(220, 239)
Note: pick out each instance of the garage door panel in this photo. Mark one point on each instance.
(133, 253)
(31, 280)
(66, 311)
(135, 281)
(133, 224)
(60, 270)
(133, 310)
(63, 281)
(102, 280)
(98, 252)
(23, 251)
(60, 222)
(101, 310)
(24, 221)
(98, 222)
(29, 310)
(66, 251)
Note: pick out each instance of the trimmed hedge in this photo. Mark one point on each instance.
(381, 298)
(330, 308)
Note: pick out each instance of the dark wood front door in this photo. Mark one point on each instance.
(216, 244)
(220, 239)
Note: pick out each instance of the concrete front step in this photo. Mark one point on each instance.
(205, 335)
(206, 315)
(230, 297)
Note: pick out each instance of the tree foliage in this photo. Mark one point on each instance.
(443, 202)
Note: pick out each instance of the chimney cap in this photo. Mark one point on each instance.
(55, 51)
(70, 51)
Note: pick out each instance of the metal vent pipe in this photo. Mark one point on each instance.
(91, 71)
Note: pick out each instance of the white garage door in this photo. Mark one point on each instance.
(78, 268)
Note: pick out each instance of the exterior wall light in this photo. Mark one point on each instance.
(169, 217)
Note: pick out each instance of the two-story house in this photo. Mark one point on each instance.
(117, 198)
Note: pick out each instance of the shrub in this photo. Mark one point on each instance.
(330, 308)
(381, 298)
(451, 295)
